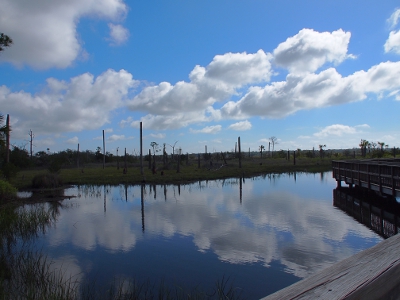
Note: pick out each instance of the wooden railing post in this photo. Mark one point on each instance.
(393, 181)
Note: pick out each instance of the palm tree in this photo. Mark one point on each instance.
(382, 144)
(4, 138)
(261, 149)
(5, 41)
(4, 130)
(321, 150)
(363, 145)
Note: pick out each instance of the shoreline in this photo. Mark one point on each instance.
(186, 174)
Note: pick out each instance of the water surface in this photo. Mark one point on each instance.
(263, 233)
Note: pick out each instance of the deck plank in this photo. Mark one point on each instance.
(371, 274)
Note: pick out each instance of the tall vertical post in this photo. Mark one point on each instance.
(240, 153)
(31, 135)
(149, 159)
(178, 170)
(105, 200)
(125, 165)
(141, 149)
(8, 139)
(142, 204)
(77, 157)
(294, 157)
(104, 151)
(117, 159)
(240, 189)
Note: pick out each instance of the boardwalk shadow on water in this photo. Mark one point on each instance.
(381, 214)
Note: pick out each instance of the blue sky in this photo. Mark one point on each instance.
(201, 73)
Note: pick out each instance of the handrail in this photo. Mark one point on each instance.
(380, 175)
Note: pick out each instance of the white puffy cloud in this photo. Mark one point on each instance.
(116, 137)
(83, 103)
(308, 91)
(240, 126)
(178, 120)
(158, 135)
(393, 42)
(49, 29)
(74, 140)
(118, 34)
(394, 18)
(208, 129)
(226, 74)
(126, 122)
(309, 50)
(337, 130)
(381, 78)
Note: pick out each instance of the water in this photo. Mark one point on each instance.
(263, 234)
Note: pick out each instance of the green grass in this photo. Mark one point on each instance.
(95, 174)
(7, 192)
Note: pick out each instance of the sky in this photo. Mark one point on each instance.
(200, 74)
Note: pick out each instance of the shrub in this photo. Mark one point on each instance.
(9, 170)
(7, 191)
(55, 165)
(45, 181)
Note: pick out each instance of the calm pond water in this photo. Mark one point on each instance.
(263, 234)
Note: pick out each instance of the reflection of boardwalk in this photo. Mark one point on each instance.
(370, 274)
(380, 214)
(382, 175)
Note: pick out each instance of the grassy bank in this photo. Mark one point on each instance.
(189, 171)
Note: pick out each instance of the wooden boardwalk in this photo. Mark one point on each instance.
(371, 274)
(381, 175)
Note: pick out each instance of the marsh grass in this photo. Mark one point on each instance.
(27, 273)
(32, 277)
(21, 223)
(123, 289)
(46, 181)
(7, 192)
(95, 174)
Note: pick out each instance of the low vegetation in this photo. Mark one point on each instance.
(189, 171)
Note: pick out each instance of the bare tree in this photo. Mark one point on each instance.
(173, 149)
(274, 141)
(154, 145)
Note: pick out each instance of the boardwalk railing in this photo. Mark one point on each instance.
(370, 274)
(375, 174)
